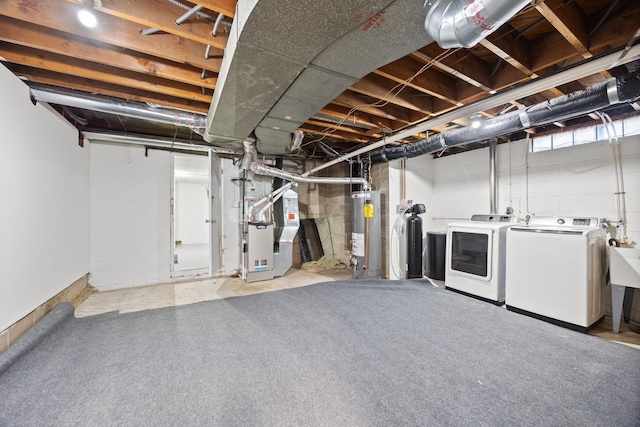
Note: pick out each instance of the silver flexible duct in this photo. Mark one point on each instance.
(76, 99)
(458, 23)
(250, 161)
(260, 169)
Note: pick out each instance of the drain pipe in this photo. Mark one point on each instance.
(76, 99)
(493, 176)
(601, 95)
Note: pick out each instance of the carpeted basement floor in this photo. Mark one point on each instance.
(347, 353)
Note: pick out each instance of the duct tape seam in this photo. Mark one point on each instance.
(524, 117)
(612, 91)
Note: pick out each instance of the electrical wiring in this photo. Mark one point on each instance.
(394, 92)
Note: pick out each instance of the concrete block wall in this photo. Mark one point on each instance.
(571, 181)
(336, 200)
(332, 202)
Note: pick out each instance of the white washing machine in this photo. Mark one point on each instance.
(556, 270)
(475, 256)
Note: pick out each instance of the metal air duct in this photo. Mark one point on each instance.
(71, 98)
(276, 75)
(463, 23)
(575, 104)
(251, 158)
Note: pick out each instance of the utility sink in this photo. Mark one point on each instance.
(624, 268)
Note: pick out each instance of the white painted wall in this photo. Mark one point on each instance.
(44, 192)
(572, 181)
(129, 216)
(569, 181)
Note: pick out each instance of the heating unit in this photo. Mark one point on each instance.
(556, 270)
(475, 256)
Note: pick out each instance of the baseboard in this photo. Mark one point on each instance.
(75, 293)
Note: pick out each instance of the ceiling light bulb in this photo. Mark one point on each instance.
(87, 18)
(475, 124)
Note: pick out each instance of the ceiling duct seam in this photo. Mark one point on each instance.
(612, 91)
(524, 118)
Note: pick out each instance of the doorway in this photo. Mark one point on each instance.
(190, 213)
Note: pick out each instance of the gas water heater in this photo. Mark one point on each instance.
(366, 235)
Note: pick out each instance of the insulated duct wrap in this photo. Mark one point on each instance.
(565, 107)
(568, 106)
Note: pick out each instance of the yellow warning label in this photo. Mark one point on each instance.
(368, 210)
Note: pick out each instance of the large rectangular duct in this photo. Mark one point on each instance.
(287, 60)
(270, 44)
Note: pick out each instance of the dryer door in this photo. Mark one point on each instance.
(470, 252)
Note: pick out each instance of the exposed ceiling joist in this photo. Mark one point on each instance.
(42, 41)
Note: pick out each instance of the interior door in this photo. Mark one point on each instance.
(215, 212)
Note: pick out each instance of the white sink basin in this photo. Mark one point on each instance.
(624, 267)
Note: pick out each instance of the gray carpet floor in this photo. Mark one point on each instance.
(352, 353)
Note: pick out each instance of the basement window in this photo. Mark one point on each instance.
(586, 135)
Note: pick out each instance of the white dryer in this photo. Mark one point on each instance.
(475, 256)
(556, 270)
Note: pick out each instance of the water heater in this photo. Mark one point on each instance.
(366, 235)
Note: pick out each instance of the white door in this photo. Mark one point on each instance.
(215, 212)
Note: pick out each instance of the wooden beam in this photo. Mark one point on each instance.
(618, 29)
(614, 32)
(458, 63)
(162, 15)
(350, 100)
(387, 91)
(96, 87)
(428, 81)
(340, 112)
(515, 51)
(226, 7)
(319, 130)
(343, 127)
(36, 37)
(570, 22)
(60, 15)
(75, 67)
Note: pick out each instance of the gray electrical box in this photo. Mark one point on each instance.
(259, 252)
